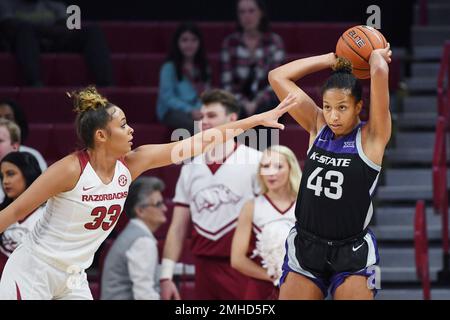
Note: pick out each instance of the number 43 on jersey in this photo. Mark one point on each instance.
(334, 191)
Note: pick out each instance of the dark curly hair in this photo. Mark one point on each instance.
(342, 78)
(92, 113)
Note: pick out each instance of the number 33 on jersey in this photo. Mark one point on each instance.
(76, 222)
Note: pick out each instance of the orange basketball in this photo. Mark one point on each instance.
(356, 44)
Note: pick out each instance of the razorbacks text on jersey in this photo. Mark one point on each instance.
(338, 181)
(76, 222)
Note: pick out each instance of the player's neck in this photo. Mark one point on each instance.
(103, 163)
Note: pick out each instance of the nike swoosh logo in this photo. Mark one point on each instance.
(86, 189)
(321, 140)
(356, 249)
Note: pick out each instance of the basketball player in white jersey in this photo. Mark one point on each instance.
(210, 192)
(86, 192)
(279, 176)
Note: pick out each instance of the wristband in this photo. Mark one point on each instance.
(167, 268)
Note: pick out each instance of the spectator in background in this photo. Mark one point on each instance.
(269, 217)
(183, 77)
(247, 57)
(29, 26)
(12, 111)
(130, 269)
(18, 171)
(210, 192)
(9, 141)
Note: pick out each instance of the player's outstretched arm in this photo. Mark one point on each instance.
(60, 177)
(240, 244)
(282, 80)
(379, 124)
(158, 155)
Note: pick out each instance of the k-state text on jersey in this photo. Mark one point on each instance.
(336, 162)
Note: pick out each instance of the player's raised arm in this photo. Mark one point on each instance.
(379, 123)
(60, 177)
(283, 78)
(152, 156)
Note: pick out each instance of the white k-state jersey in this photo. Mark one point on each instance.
(266, 213)
(215, 195)
(76, 222)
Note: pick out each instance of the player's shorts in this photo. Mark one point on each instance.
(28, 277)
(327, 263)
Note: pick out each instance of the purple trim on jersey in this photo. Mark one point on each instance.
(375, 245)
(345, 144)
(339, 278)
(286, 269)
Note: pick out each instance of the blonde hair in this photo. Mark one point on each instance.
(295, 173)
(13, 129)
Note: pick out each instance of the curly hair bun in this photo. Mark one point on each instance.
(87, 99)
(343, 65)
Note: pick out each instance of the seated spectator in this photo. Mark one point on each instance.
(248, 55)
(130, 269)
(18, 171)
(29, 26)
(264, 223)
(183, 77)
(13, 112)
(9, 141)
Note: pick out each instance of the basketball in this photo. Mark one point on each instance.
(356, 44)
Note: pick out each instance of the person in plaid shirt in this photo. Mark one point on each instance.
(248, 55)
